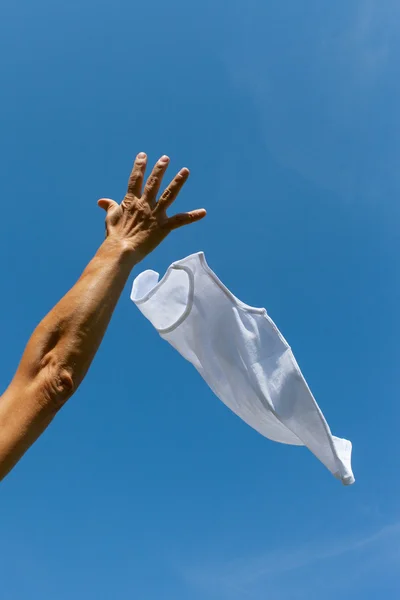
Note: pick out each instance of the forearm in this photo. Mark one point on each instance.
(60, 352)
(69, 336)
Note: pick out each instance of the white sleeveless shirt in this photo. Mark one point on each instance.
(242, 356)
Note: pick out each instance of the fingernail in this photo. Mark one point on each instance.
(184, 171)
(141, 155)
(164, 159)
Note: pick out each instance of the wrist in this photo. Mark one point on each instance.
(119, 251)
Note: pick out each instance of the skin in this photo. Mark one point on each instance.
(62, 347)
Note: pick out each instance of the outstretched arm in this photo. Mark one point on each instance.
(63, 345)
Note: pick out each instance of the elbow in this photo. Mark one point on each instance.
(63, 383)
(56, 385)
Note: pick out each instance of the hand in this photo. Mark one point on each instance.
(140, 222)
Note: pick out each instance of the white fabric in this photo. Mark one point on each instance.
(242, 356)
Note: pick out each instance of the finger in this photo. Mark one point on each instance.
(106, 203)
(185, 218)
(154, 181)
(135, 182)
(171, 192)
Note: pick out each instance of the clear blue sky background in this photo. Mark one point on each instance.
(287, 113)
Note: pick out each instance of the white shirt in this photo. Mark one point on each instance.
(242, 356)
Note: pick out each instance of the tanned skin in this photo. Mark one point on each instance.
(62, 347)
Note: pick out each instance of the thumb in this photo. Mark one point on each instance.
(107, 203)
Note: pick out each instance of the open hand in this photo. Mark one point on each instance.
(140, 222)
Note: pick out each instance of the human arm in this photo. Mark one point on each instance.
(64, 344)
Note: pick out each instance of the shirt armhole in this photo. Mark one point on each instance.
(168, 303)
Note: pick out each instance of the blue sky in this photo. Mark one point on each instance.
(146, 486)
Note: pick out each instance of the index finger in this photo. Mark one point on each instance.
(136, 178)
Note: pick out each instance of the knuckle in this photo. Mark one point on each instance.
(134, 176)
(151, 182)
(138, 166)
(166, 194)
(129, 200)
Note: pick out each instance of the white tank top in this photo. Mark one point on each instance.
(242, 356)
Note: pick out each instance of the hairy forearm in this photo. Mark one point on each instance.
(60, 352)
